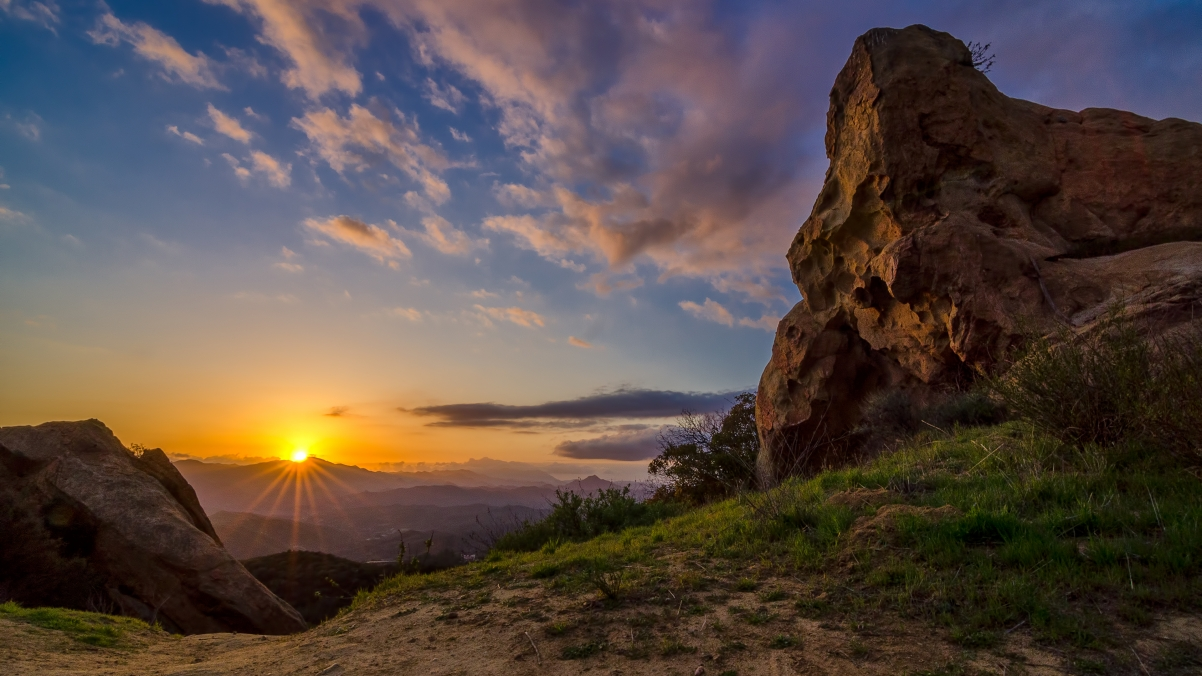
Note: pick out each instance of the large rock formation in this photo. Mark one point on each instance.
(139, 525)
(953, 220)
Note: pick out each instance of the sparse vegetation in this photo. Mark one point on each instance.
(1120, 383)
(576, 518)
(709, 456)
(105, 631)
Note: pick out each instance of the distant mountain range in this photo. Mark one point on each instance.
(290, 489)
(360, 514)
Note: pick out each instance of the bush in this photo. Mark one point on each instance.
(576, 518)
(1111, 385)
(896, 415)
(710, 456)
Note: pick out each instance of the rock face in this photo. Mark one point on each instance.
(143, 527)
(952, 221)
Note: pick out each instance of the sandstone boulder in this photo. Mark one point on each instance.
(139, 525)
(952, 221)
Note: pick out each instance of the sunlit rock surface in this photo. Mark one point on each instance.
(139, 523)
(953, 219)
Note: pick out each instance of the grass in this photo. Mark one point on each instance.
(104, 631)
(1063, 543)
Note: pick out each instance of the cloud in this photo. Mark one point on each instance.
(369, 239)
(240, 171)
(289, 267)
(277, 173)
(224, 124)
(459, 136)
(158, 47)
(45, 14)
(603, 283)
(513, 195)
(337, 411)
(573, 340)
(628, 446)
(318, 51)
(482, 293)
(448, 98)
(30, 127)
(515, 315)
(441, 235)
(255, 297)
(664, 133)
(186, 135)
(405, 313)
(711, 311)
(620, 404)
(766, 322)
(361, 139)
(12, 215)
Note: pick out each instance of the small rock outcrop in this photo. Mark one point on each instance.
(138, 524)
(954, 220)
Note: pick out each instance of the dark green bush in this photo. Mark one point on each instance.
(576, 518)
(709, 457)
(1115, 384)
(898, 414)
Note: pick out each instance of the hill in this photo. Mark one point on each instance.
(314, 583)
(987, 550)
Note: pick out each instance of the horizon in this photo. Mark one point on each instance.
(397, 232)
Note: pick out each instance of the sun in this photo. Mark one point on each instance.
(299, 455)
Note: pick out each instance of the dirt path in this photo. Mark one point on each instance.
(497, 632)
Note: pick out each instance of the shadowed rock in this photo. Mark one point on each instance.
(954, 219)
(138, 523)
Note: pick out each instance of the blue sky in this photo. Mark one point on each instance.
(224, 220)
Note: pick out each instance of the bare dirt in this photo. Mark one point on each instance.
(529, 628)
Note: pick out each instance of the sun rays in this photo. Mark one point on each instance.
(310, 488)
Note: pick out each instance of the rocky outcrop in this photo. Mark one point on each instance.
(140, 527)
(953, 220)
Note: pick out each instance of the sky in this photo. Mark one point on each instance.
(420, 231)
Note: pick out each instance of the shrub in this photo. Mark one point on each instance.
(709, 456)
(576, 518)
(1111, 385)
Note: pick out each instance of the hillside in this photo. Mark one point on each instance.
(945, 557)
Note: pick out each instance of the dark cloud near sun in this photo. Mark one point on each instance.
(337, 411)
(582, 412)
(626, 446)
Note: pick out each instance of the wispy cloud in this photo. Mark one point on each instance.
(711, 311)
(158, 47)
(446, 97)
(365, 237)
(278, 174)
(766, 322)
(515, 315)
(46, 14)
(319, 63)
(186, 135)
(360, 138)
(459, 135)
(616, 405)
(224, 124)
(412, 314)
(446, 238)
(240, 171)
(573, 340)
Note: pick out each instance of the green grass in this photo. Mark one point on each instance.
(1060, 542)
(105, 631)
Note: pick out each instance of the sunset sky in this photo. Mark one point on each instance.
(240, 227)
